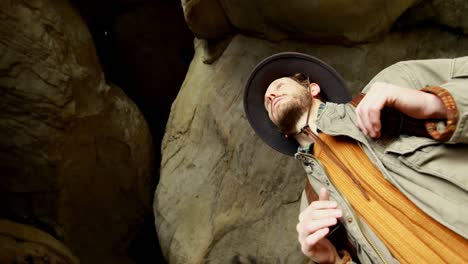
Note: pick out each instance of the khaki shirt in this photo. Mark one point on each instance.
(432, 174)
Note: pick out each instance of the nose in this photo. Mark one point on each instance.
(270, 97)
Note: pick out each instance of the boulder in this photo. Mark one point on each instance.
(206, 18)
(224, 196)
(25, 244)
(141, 53)
(75, 153)
(450, 13)
(338, 21)
(145, 47)
(334, 21)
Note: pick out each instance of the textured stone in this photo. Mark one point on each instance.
(145, 47)
(25, 244)
(336, 21)
(451, 13)
(226, 197)
(75, 153)
(206, 18)
(148, 62)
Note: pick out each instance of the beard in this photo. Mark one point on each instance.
(289, 113)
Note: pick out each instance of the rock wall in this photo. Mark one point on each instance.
(75, 153)
(226, 197)
(332, 21)
(324, 21)
(450, 13)
(145, 47)
(26, 244)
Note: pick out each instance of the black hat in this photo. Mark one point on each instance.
(332, 88)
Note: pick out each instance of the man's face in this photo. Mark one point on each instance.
(286, 101)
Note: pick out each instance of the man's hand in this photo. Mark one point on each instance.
(313, 226)
(414, 103)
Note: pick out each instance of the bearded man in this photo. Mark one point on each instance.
(389, 167)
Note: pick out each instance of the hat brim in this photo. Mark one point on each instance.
(332, 88)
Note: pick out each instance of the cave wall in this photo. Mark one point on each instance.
(226, 197)
(87, 88)
(76, 153)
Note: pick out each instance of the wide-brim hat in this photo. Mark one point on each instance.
(332, 88)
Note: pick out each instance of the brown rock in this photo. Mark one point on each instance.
(25, 244)
(226, 197)
(206, 18)
(75, 153)
(451, 13)
(145, 47)
(335, 21)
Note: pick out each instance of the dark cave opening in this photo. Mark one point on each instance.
(145, 48)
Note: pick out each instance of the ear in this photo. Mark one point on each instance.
(314, 89)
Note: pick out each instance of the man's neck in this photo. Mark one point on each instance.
(302, 139)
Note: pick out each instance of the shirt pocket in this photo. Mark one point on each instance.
(429, 157)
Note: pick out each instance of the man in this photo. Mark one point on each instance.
(401, 194)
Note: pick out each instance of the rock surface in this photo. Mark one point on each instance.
(334, 21)
(145, 47)
(206, 18)
(152, 60)
(75, 153)
(325, 21)
(141, 53)
(451, 13)
(224, 196)
(25, 244)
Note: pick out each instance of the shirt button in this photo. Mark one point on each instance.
(350, 219)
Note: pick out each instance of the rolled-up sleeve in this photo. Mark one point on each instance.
(445, 78)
